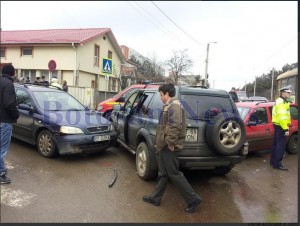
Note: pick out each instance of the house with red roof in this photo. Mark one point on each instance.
(89, 57)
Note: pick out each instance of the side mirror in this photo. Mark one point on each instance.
(25, 107)
(116, 107)
(86, 108)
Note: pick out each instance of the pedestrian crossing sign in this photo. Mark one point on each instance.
(107, 66)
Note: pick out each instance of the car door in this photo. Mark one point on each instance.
(260, 134)
(122, 115)
(23, 128)
(139, 118)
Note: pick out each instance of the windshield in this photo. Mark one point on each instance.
(201, 107)
(57, 101)
(243, 111)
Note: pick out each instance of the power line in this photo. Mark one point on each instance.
(149, 20)
(177, 25)
(157, 21)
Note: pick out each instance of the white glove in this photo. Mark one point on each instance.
(287, 133)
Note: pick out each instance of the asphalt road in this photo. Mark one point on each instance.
(74, 189)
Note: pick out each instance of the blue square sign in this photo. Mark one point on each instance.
(107, 66)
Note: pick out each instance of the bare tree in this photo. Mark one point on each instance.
(179, 63)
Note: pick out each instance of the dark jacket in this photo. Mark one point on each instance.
(234, 96)
(171, 129)
(8, 102)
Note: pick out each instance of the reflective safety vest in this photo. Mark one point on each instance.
(281, 113)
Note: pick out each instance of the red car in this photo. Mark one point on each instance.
(257, 117)
(105, 106)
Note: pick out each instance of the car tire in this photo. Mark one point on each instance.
(144, 161)
(291, 146)
(227, 134)
(46, 145)
(223, 170)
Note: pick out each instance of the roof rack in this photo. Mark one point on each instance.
(195, 86)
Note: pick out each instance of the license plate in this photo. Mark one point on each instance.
(101, 138)
(191, 135)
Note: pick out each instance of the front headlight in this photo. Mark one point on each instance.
(99, 108)
(70, 130)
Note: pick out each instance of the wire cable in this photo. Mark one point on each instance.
(177, 25)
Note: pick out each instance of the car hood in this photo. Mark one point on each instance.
(107, 100)
(81, 119)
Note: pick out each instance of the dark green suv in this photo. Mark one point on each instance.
(215, 136)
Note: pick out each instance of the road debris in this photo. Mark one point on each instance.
(114, 179)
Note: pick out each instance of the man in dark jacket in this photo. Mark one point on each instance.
(170, 136)
(233, 95)
(8, 114)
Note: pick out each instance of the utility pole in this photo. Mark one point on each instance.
(206, 63)
(272, 85)
(254, 86)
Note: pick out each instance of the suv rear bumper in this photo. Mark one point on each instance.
(209, 162)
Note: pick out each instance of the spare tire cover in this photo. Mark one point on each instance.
(226, 134)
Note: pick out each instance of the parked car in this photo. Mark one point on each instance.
(259, 128)
(105, 107)
(258, 98)
(58, 123)
(242, 95)
(215, 137)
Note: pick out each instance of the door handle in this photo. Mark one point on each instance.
(268, 129)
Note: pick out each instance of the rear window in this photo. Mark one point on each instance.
(199, 106)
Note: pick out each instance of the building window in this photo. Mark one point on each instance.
(26, 51)
(109, 55)
(96, 55)
(2, 52)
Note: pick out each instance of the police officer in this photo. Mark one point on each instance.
(281, 120)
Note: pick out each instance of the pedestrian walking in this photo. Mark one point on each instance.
(170, 136)
(8, 114)
(281, 119)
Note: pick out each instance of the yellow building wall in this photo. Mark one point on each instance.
(68, 59)
(63, 56)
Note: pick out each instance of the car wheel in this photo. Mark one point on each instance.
(227, 134)
(291, 146)
(221, 171)
(143, 162)
(46, 145)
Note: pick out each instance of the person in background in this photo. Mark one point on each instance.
(27, 80)
(65, 86)
(233, 95)
(170, 136)
(281, 119)
(54, 82)
(8, 114)
(44, 81)
(37, 80)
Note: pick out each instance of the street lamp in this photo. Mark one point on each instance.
(206, 63)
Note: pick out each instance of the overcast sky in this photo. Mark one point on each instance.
(252, 37)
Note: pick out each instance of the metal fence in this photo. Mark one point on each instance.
(89, 96)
